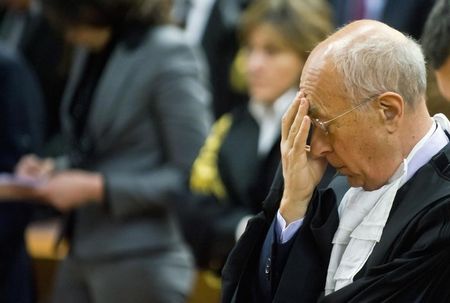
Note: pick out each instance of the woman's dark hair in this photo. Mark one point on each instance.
(109, 13)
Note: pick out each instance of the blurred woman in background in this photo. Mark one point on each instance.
(233, 173)
(135, 114)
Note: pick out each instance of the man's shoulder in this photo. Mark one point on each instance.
(433, 179)
(429, 184)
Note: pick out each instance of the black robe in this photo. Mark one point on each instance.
(409, 264)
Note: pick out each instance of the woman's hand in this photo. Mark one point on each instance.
(34, 168)
(70, 189)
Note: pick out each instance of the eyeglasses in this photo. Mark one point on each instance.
(323, 125)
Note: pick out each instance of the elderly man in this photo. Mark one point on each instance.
(436, 44)
(387, 236)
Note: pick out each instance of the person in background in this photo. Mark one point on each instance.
(436, 44)
(213, 25)
(21, 133)
(25, 29)
(407, 16)
(135, 112)
(381, 231)
(236, 165)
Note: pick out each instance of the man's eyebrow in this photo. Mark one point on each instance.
(313, 111)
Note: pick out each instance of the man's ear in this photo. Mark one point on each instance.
(391, 110)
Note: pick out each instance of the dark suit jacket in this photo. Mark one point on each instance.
(46, 54)
(407, 16)
(409, 264)
(220, 44)
(21, 132)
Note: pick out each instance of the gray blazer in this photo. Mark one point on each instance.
(148, 119)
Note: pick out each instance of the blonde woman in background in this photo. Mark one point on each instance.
(233, 172)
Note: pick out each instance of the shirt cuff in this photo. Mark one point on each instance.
(285, 233)
(241, 227)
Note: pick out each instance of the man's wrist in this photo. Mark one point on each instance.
(293, 211)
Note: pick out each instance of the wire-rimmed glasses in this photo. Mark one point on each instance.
(323, 125)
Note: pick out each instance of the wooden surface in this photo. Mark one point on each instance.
(41, 239)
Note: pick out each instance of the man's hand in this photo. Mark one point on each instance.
(301, 172)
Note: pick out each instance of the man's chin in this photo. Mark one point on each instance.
(357, 182)
(354, 181)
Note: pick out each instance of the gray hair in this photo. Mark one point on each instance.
(377, 64)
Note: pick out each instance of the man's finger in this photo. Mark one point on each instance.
(288, 117)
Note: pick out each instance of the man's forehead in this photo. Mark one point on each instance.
(319, 85)
(318, 106)
(318, 58)
(318, 65)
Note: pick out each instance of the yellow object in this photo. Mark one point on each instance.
(238, 79)
(205, 177)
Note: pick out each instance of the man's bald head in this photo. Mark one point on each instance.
(361, 29)
(369, 58)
